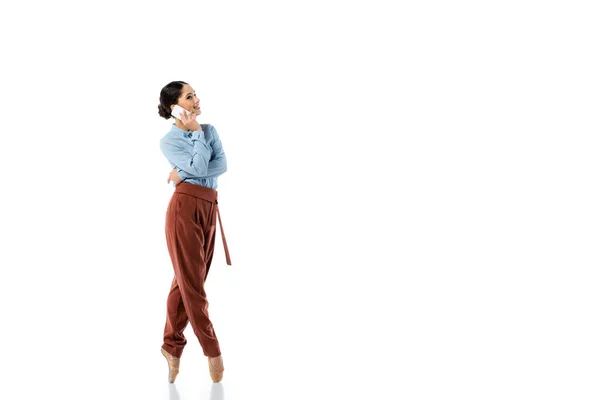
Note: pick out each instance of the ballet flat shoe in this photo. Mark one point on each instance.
(216, 368)
(173, 365)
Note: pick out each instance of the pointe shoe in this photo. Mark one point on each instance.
(216, 368)
(173, 365)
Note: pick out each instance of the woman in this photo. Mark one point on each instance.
(196, 154)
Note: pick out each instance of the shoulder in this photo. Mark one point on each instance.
(210, 129)
(207, 127)
(168, 139)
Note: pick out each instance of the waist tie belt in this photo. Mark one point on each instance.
(208, 194)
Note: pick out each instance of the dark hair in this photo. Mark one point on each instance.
(168, 96)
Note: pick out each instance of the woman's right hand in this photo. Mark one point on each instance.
(174, 176)
(189, 121)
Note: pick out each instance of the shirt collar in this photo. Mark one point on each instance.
(180, 131)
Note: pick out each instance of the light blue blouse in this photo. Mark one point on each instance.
(197, 155)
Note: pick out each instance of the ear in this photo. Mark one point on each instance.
(172, 107)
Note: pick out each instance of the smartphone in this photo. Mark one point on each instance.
(178, 110)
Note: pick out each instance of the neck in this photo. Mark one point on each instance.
(179, 124)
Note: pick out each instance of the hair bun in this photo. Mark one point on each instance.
(163, 112)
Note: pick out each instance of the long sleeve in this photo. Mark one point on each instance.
(217, 165)
(196, 163)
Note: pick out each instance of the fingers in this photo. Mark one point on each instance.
(186, 117)
(171, 176)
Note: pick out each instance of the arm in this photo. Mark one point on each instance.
(217, 165)
(195, 164)
(215, 169)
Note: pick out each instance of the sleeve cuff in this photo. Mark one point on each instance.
(198, 135)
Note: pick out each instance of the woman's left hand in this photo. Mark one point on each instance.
(174, 176)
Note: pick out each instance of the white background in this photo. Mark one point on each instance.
(411, 203)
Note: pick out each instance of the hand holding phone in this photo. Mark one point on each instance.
(188, 119)
(178, 110)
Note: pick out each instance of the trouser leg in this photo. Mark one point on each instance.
(188, 221)
(177, 320)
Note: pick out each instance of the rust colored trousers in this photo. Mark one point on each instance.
(190, 231)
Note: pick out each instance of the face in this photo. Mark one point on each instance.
(188, 100)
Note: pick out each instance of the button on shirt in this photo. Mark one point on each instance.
(198, 155)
